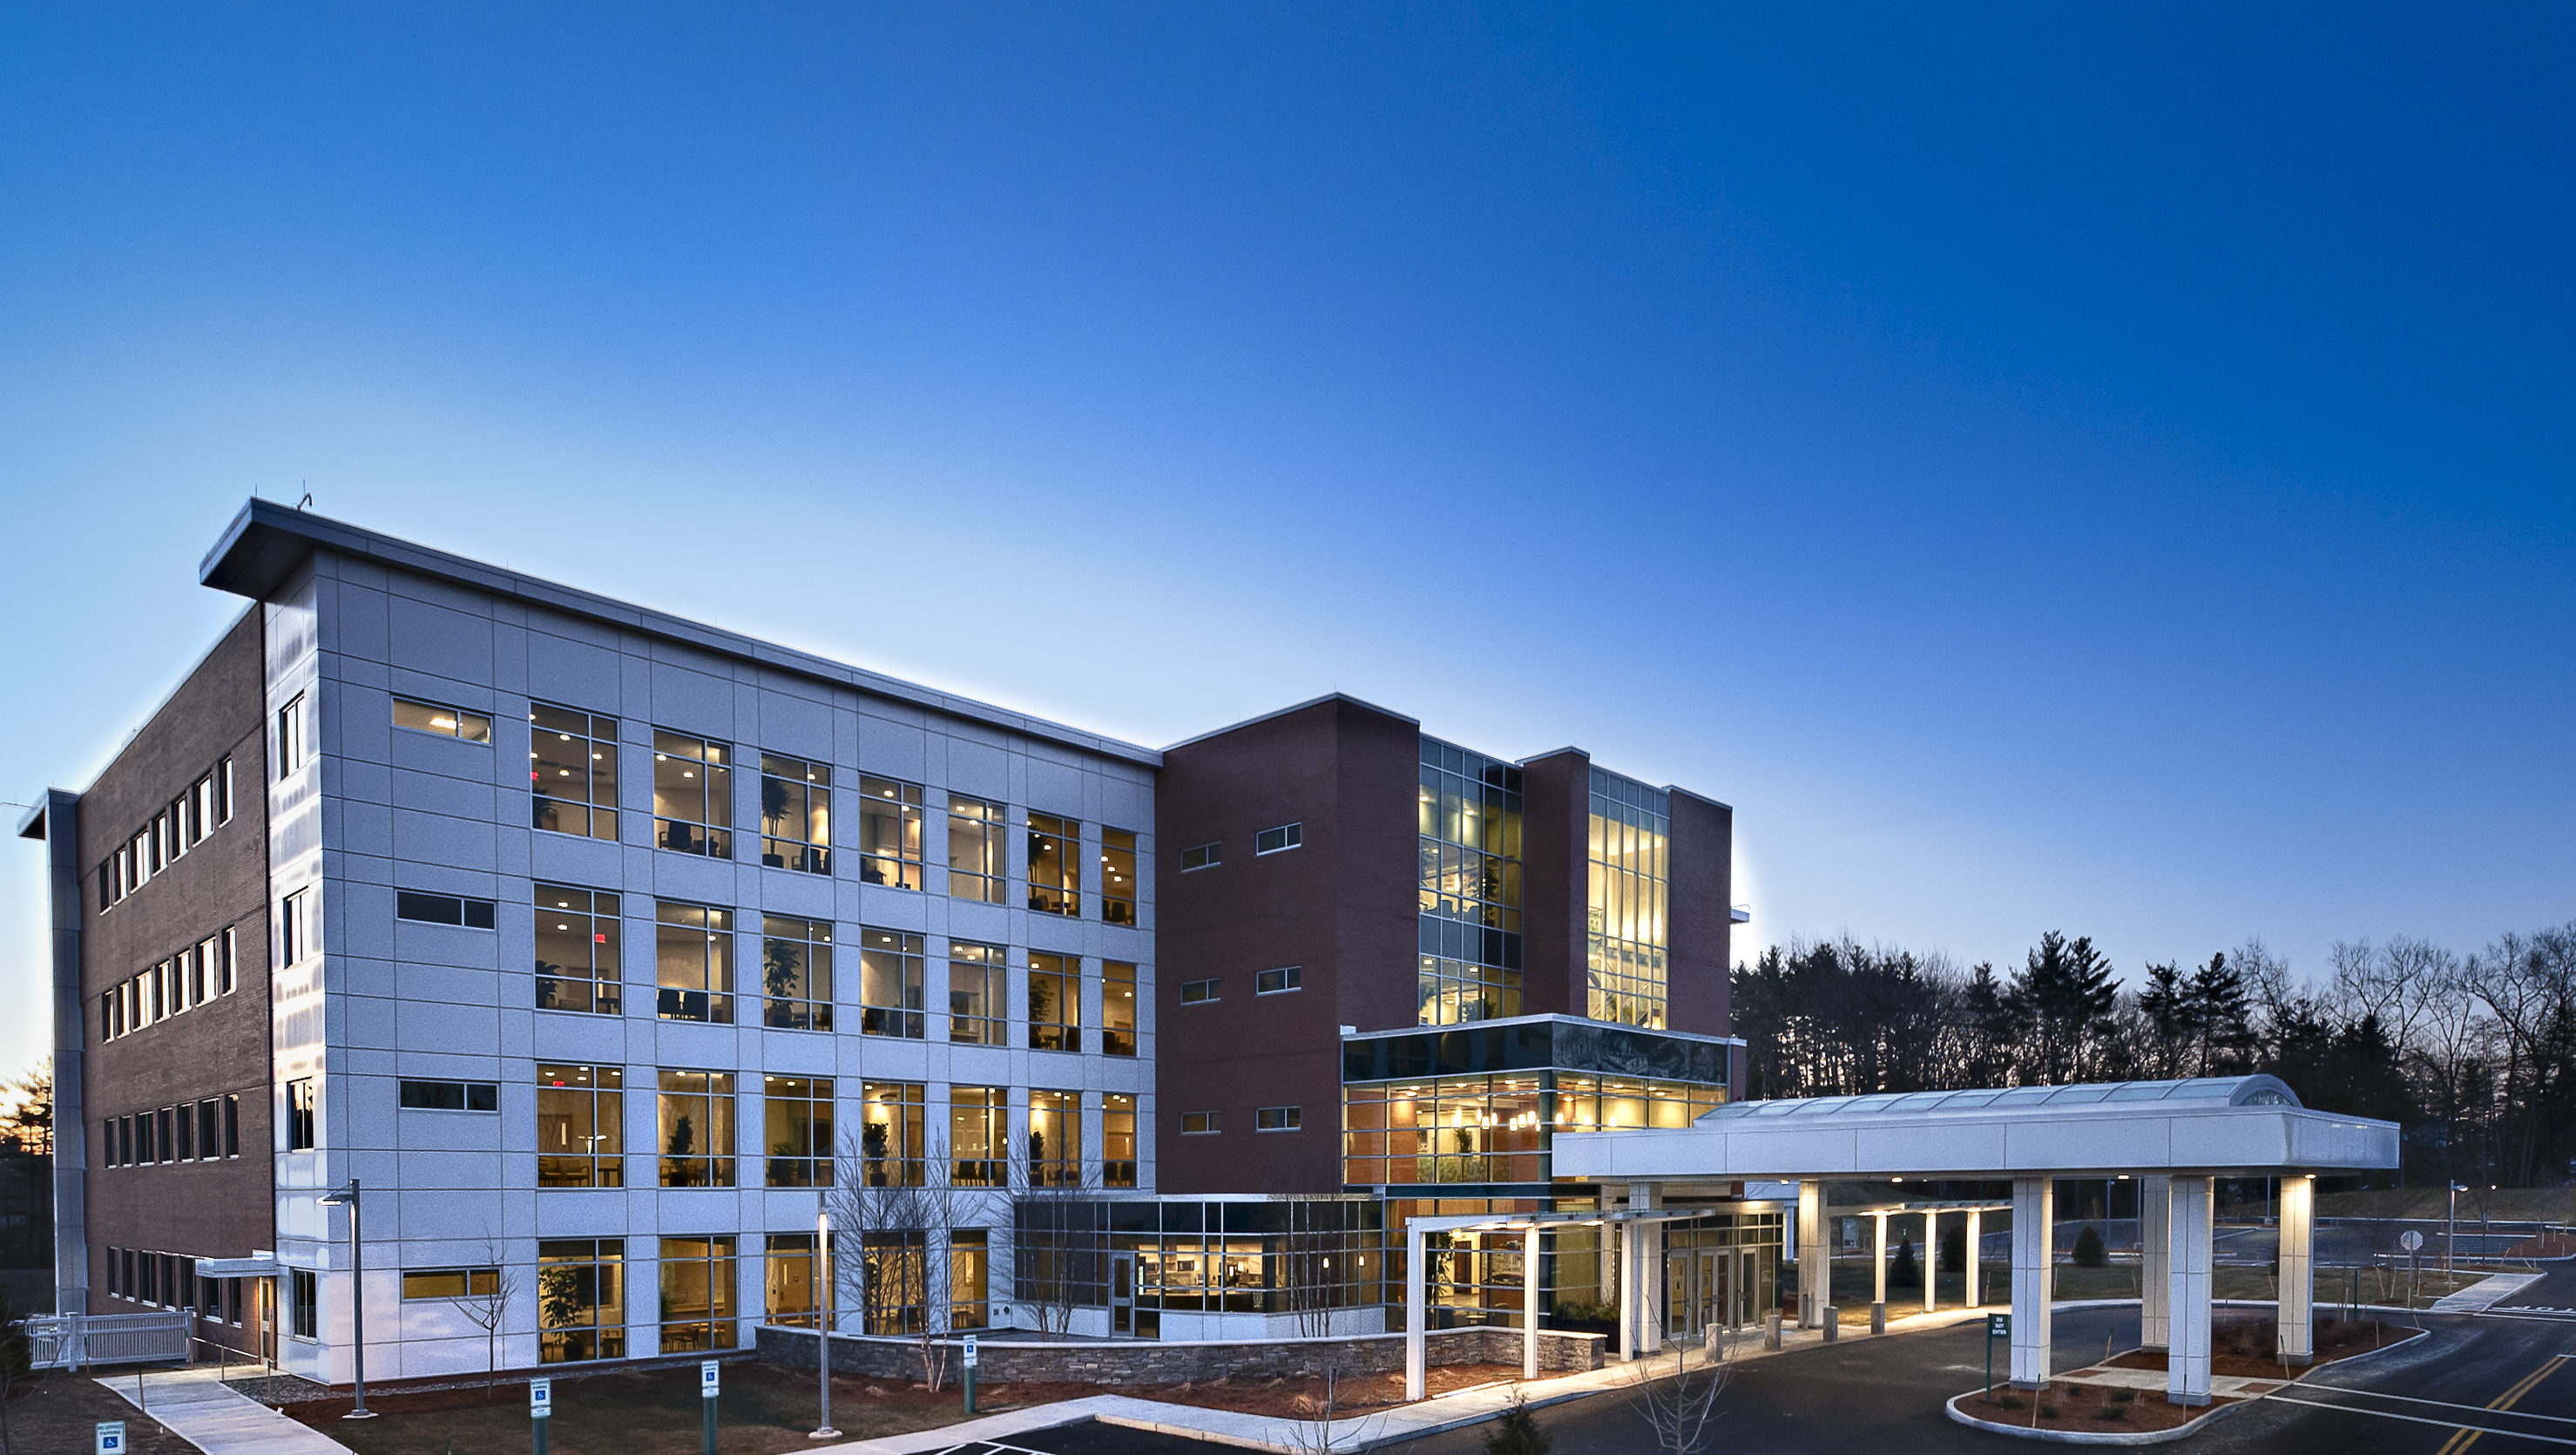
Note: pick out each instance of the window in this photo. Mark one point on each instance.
(1117, 1140)
(1469, 823)
(1626, 901)
(232, 1126)
(692, 795)
(893, 1281)
(890, 833)
(436, 1283)
(693, 963)
(450, 1096)
(1271, 841)
(1117, 1008)
(795, 814)
(186, 1150)
(292, 745)
(1279, 981)
(796, 972)
(1201, 856)
(1055, 1002)
(1198, 992)
(1118, 876)
(165, 1136)
(299, 1115)
(1055, 1139)
(303, 1304)
(978, 1003)
(797, 1135)
(890, 984)
(979, 1135)
(697, 1294)
(210, 1130)
(578, 965)
(969, 1267)
(224, 791)
(581, 1304)
(581, 1126)
(230, 960)
(1276, 1119)
(1198, 1124)
(297, 933)
(446, 722)
(697, 1129)
(1055, 865)
(789, 1284)
(443, 909)
(976, 858)
(572, 771)
(890, 1133)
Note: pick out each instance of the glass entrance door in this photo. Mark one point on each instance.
(1122, 1293)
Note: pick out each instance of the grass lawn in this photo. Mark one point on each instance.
(635, 1412)
(61, 1412)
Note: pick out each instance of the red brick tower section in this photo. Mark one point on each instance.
(1340, 908)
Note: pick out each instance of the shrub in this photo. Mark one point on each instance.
(2088, 1249)
(1518, 1432)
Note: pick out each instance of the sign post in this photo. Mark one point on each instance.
(2412, 1241)
(1998, 1326)
(541, 1403)
(970, 1374)
(111, 1437)
(707, 1399)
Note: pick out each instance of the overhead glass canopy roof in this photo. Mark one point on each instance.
(2198, 1092)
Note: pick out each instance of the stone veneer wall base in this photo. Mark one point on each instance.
(1148, 1361)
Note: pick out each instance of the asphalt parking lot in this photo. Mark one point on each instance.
(2500, 1381)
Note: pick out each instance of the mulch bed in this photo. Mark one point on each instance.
(1286, 1398)
(2088, 1407)
(2247, 1349)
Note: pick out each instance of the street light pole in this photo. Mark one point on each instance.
(357, 1295)
(2451, 1234)
(823, 1310)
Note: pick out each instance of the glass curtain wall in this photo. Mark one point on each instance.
(1627, 901)
(1468, 809)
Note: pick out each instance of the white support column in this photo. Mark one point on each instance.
(2034, 1251)
(1416, 1295)
(1975, 1290)
(2155, 1236)
(1931, 1257)
(1878, 1268)
(2298, 1322)
(1815, 1257)
(2187, 1350)
(1626, 1235)
(1649, 1269)
(1529, 1304)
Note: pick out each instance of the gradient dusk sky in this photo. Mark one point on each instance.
(2049, 467)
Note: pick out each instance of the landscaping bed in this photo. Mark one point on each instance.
(62, 1412)
(2246, 1349)
(1286, 1398)
(2090, 1408)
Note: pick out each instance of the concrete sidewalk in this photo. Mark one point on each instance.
(2484, 1294)
(200, 1409)
(1404, 1422)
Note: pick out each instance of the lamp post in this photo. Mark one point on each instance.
(357, 1295)
(823, 1311)
(2451, 1233)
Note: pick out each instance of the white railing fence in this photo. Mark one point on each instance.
(76, 1341)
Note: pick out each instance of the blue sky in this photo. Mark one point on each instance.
(2048, 467)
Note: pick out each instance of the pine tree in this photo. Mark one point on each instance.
(2061, 1003)
(2221, 1018)
(2166, 1003)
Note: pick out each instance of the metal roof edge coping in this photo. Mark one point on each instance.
(268, 540)
(1536, 1018)
(1278, 712)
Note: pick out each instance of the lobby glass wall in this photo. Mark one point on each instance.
(1627, 901)
(1146, 1257)
(1469, 820)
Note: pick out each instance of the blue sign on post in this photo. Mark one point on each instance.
(111, 1437)
(541, 1398)
(707, 1378)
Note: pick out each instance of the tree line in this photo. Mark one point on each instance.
(2475, 1054)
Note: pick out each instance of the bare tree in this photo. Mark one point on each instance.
(901, 1231)
(1312, 1281)
(487, 1307)
(1310, 1430)
(1681, 1406)
(1053, 1239)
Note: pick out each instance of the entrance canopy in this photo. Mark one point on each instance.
(2211, 1125)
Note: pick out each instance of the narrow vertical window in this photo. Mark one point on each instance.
(693, 963)
(581, 1126)
(890, 833)
(572, 771)
(1118, 1140)
(692, 795)
(232, 1126)
(977, 861)
(890, 966)
(1055, 865)
(1055, 1139)
(1118, 876)
(979, 1004)
(296, 937)
(224, 791)
(299, 1114)
(979, 1135)
(290, 736)
(578, 964)
(797, 1130)
(1055, 1002)
(231, 963)
(890, 1133)
(796, 972)
(1117, 1008)
(795, 814)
